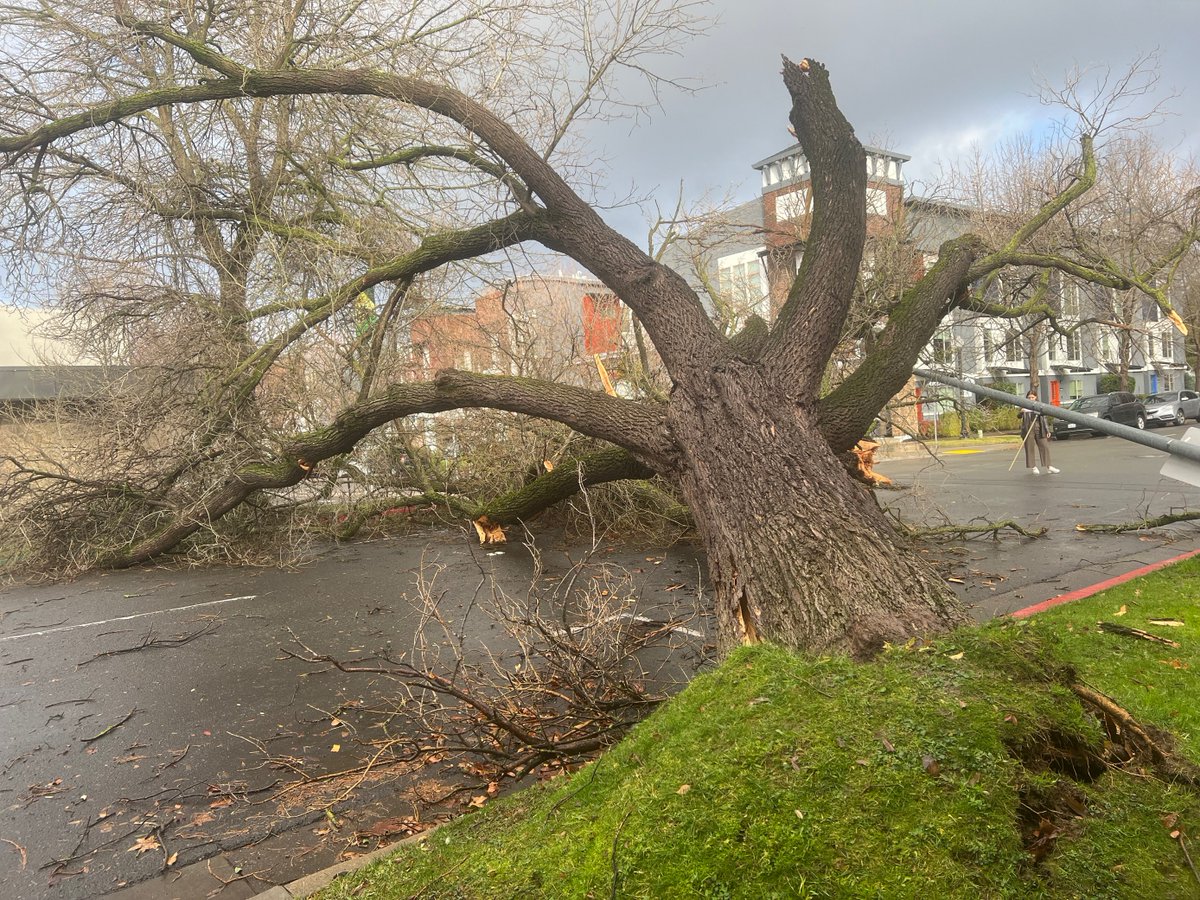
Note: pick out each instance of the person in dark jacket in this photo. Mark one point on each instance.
(1035, 432)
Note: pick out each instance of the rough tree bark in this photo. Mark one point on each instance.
(798, 552)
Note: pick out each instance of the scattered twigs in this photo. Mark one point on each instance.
(111, 728)
(20, 850)
(150, 642)
(568, 672)
(1188, 857)
(89, 699)
(227, 881)
(1114, 628)
(179, 755)
(1139, 524)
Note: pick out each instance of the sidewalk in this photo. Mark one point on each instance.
(901, 448)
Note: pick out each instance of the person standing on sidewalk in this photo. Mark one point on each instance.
(1035, 432)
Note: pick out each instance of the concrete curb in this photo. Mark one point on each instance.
(1099, 586)
(310, 884)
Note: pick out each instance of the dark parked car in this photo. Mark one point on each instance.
(1119, 406)
(1172, 407)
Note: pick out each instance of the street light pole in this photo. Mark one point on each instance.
(1173, 446)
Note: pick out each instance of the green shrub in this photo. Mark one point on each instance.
(1106, 384)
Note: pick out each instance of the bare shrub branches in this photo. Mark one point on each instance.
(572, 667)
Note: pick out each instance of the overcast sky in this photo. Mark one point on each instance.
(926, 78)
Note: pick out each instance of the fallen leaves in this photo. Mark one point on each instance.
(49, 789)
(1120, 612)
(683, 789)
(20, 850)
(387, 827)
(144, 843)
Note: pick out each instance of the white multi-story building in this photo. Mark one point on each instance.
(755, 264)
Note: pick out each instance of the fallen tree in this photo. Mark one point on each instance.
(798, 552)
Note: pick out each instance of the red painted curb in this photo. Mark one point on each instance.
(1100, 586)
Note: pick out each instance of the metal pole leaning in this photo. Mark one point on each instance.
(1173, 446)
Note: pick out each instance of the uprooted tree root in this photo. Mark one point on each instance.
(1136, 741)
(1047, 813)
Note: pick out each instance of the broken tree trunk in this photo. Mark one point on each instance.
(798, 553)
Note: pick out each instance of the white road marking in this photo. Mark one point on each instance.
(692, 633)
(154, 612)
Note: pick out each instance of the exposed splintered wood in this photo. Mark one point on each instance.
(862, 462)
(745, 619)
(489, 532)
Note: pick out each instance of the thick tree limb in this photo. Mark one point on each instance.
(602, 466)
(810, 322)
(847, 411)
(434, 250)
(1052, 207)
(1140, 524)
(639, 427)
(596, 414)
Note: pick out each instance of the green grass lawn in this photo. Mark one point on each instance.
(940, 770)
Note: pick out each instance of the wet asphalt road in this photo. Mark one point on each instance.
(114, 758)
(186, 743)
(1102, 480)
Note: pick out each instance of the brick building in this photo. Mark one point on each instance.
(537, 326)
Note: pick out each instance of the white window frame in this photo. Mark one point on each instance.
(738, 289)
(792, 205)
(877, 202)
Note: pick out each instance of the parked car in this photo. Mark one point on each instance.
(1172, 407)
(1119, 406)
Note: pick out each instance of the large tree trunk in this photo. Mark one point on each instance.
(798, 553)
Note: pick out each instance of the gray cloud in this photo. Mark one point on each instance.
(921, 77)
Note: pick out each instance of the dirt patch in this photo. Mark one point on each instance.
(1046, 814)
